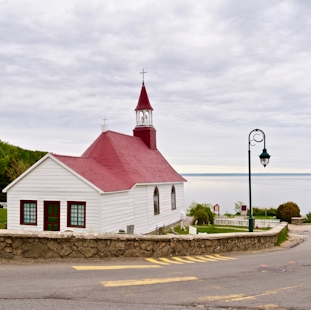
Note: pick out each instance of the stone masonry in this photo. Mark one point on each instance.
(57, 245)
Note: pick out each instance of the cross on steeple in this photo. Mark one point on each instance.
(104, 119)
(104, 127)
(143, 73)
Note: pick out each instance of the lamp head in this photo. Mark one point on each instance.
(264, 157)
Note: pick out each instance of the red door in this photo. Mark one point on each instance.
(52, 215)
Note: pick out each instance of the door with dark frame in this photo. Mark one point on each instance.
(52, 215)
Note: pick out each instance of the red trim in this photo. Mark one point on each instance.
(21, 219)
(45, 214)
(69, 203)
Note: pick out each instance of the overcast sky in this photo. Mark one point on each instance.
(215, 71)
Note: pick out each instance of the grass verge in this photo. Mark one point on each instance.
(283, 236)
(3, 217)
(216, 229)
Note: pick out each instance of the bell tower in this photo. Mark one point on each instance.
(144, 121)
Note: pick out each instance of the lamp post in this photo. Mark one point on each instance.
(256, 135)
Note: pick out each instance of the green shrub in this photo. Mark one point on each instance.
(308, 217)
(287, 210)
(258, 211)
(229, 215)
(271, 212)
(264, 212)
(3, 217)
(201, 213)
(201, 216)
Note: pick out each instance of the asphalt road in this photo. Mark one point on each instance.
(274, 279)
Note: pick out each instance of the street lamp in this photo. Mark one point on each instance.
(256, 135)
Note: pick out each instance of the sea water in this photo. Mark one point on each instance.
(268, 190)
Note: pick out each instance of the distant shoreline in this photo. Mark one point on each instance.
(245, 174)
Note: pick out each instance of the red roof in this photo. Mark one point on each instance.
(116, 162)
(143, 102)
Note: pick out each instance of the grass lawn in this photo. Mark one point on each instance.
(3, 217)
(216, 229)
(212, 229)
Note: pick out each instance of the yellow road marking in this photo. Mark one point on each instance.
(169, 261)
(207, 259)
(182, 260)
(114, 267)
(226, 298)
(188, 259)
(239, 297)
(195, 259)
(146, 281)
(271, 292)
(151, 260)
(223, 257)
(271, 306)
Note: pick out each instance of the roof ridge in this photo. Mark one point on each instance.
(71, 156)
(122, 134)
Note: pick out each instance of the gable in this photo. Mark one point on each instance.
(48, 173)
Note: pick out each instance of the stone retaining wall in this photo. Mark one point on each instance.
(22, 244)
(298, 220)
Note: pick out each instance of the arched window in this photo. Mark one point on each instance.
(173, 198)
(147, 118)
(142, 118)
(156, 201)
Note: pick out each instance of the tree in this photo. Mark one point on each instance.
(287, 210)
(237, 207)
(201, 212)
(13, 162)
(16, 168)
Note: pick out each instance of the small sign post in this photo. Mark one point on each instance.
(216, 208)
(244, 210)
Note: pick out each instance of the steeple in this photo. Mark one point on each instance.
(144, 109)
(144, 121)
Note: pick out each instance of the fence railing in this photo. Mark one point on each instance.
(239, 222)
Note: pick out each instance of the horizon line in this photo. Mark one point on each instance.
(244, 173)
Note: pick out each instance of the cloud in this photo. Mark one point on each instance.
(216, 70)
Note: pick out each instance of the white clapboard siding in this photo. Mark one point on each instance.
(141, 209)
(51, 182)
(180, 203)
(135, 207)
(117, 211)
(167, 216)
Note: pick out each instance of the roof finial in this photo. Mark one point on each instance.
(143, 73)
(104, 127)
